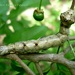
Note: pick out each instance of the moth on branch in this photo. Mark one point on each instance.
(33, 46)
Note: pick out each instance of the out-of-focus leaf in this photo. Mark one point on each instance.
(5, 30)
(62, 73)
(29, 3)
(4, 6)
(46, 72)
(57, 72)
(33, 68)
(16, 67)
(49, 73)
(63, 69)
(22, 34)
(69, 55)
(46, 67)
(25, 23)
(54, 12)
(54, 19)
(2, 67)
(21, 73)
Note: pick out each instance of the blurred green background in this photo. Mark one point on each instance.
(17, 24)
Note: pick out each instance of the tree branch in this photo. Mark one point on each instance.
(24, 66)
(57, 58)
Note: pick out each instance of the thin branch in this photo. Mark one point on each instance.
(49, 57)
(25, 67)
(57, 58)
(38, 68)
(71, 48)
(66, 50)
(72, 5)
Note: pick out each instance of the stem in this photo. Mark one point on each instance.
(25, 67)
(58, 49)
(39, 68)
(40, 4)
(72, 5)
(71, 48)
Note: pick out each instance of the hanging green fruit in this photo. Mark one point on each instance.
(38, 15)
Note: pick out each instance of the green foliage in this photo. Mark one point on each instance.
(20, 29)
(25, 33)
(59, 69)
(17, 68)
(3, 9)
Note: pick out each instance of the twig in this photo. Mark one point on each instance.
(72, 5)
(71, 48)
(25, 67)
(68, 49)
(38, 68)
